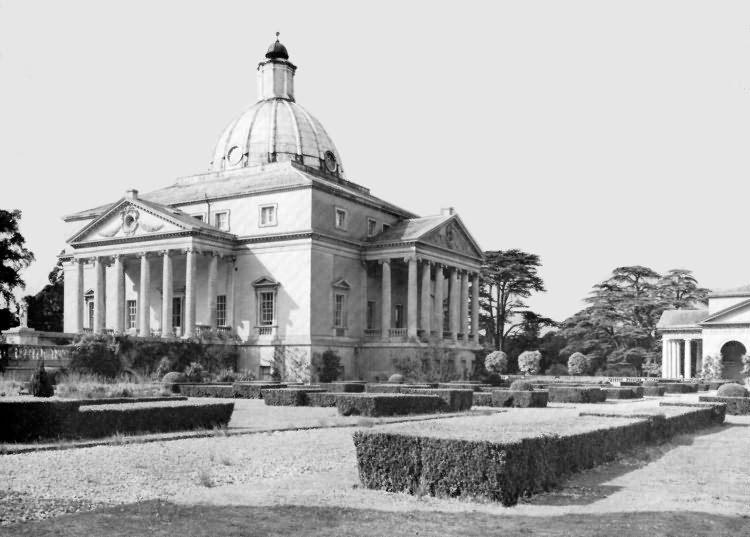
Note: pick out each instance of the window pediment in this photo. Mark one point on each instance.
(342, 284)
(265, 281)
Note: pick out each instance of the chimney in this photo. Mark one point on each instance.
(131, 194)
(447, 211)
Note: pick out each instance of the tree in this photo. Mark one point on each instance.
(46, 307)
(13, 255)
(679, 289)
(507, 278)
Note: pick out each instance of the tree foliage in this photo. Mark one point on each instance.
(13, 255)
(530, 362)
(579, 364)
(46, 307)
(618, 326)
(496, 362)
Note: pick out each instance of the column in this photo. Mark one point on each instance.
(411, 298)
(119, 269)
(190, 292)
(144, 297)
(464, 306)
(664, 356)
(231, 271)
(475, 309)
(167, 289)
(213, 271)
(454, 296)
(79, 296)
(699, 357)
(439, 288)
(688, 358)
(99, 294)
(674, 368)
(426, 299)
(385, 288)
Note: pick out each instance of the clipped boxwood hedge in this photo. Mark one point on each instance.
(654, 391)
(322, 398)
(482, 398)
(677, 387)
(716, 384)
(296, 396)
(394, 388)
(32, 419)
(736, 406)
(254, 390)
(345, 387)
(456, 400)
(396, 404)
(116, 400)
(576, 394)
(626, 392)
(476, 386)
(105, 420)
(520, 398)
(206, 390)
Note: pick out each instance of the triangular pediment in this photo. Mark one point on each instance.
(132, 219)
(735, 314)
(265, 281)
(452, 235)
(342, 284)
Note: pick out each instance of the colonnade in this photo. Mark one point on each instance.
(143, 299)
(677, 357)
(420, 314)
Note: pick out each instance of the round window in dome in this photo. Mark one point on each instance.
(234, 156)
(330, 162)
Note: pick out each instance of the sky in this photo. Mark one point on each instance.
(593, 134)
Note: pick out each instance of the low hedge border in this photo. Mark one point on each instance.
(25, 420)
(254, 390)
(520, 398)
(576, 394)
(500, 471)
(117, 400)
(475, 386)
(456, 400)
(628, 392)
(654, 391)
(482, 398)
(716, 384)
(394, 388)
(296, 396)
(343, 387)
(322, 398)
(397, 404)
(207, 390)
(675, 387)
(736, 406)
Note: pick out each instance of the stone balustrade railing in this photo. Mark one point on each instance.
(24, 353)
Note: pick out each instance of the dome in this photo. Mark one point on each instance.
(277, 50)
(275, 130)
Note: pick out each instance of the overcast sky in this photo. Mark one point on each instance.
(594, 134)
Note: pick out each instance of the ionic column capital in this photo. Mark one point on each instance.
(384, 261)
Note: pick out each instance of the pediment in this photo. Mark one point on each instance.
(265, 281)
(342, 284)
(452, 235)
(130, 219)
(736, 314)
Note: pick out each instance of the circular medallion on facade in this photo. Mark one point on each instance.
(234, 156)
(330, 161)
(129, 220)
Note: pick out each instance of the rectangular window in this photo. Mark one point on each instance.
(267, 215)
(267, 306)
(386, 227)
(198, 217)
(398, 314)
(221, 220)
(340, 218)
(339, 311)
(372, 226)
(221, 310)
(176, 312)
(132, 311)
(90, 312)
(370, 314)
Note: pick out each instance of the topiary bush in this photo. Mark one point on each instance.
(521, 386)
(713, 367)
(96, 354)
(732, 390)
(529, 362)
(174, 377)
(496, 362)
(40, 384)
(330, 366)
(396, 378)
(579, 364)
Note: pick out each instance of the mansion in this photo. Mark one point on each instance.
(274, 245)
(722, 329)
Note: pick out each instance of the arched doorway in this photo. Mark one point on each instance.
(731, 357)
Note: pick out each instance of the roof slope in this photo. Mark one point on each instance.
(735, 291)
(675, 318)
(411, 229)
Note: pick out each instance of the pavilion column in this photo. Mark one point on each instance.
(230, 291)
(190, 292)
(475, 308)
(411, 299)
(425, 304)
(464, 328)
(100, 304)
(664, 357)
(675, 361)
(453, 304)
(167, 285)
(79, 295)
(144, 297)
(439, 288)
(213, 273)
(119, 269)
(699, 357)
(385, 288)
(688, 358)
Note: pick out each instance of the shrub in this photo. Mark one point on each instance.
(396, 378)
(520, 399)
(225, 375)
(521, 386)
(650, 383)
(736, 406)
(557, 370)
(496, 362)
(329, 366)
(40, 384)
(321, 398)
(628, 392)
(96, 354)
(529, 362)
(482, 399)
(288, 396)
(456, 399)
(174, 377)
(579, 364)
(576, 394)
(207, 390)
(254, 390)
(25, 419)
(387, 404)
(654, 391)
(713, 367)
(195, 372)
(745, 365)
(679, 387)
(164, 367)
(732, 390)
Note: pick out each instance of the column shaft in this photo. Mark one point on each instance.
(385, 313)
(426, 299)
(439, 290)
(99, 295)
(688, 358)
(119, 268)
(475, 309)
(664, 356)
(213, 272)
(464, 306)
(79, 295)
(411, 299)
(167, 285)
(190, 293)
(454, 297)
(144, 298)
